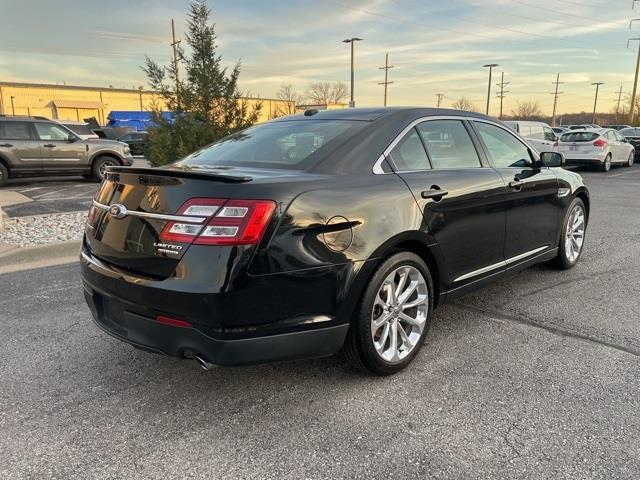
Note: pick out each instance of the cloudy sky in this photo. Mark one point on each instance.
(435, 45)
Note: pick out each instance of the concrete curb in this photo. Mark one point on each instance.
(26, 258)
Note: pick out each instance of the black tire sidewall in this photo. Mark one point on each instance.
(4, 175)
(362, 325)
(95, 168)
(604, 164)
(562, 254)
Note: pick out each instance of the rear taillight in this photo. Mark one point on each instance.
(229, 222)
(238, 222)
(600, 143)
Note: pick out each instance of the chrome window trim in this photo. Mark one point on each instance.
(504, 263)
(377, 166)
(156, 216)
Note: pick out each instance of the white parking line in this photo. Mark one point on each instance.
(30, 189)
(624, 174)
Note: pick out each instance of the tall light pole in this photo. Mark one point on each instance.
(490, 65)
(595, 101)
(632, 108)
(352, 41)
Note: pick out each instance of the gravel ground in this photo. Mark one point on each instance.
(37, 230)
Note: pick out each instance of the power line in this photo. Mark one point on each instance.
(502, 93)
(555, 94)
(386, 76)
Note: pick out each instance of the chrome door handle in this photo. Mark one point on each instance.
(516, 185)
(49, 145)
(434, 193)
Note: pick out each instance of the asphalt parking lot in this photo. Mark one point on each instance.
(535, 376)
(60, 195)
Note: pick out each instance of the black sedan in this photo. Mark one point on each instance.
(633, 137)
(331, 230)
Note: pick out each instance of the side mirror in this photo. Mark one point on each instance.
(72, 139)
(552, 159)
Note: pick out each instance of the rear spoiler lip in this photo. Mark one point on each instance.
(165, 172)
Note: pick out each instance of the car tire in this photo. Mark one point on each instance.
(606, 165)
(386, 336)
(571, 236)
(630, 160)
(4, 175)
(99, 164)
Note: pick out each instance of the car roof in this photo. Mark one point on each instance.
(375, 113)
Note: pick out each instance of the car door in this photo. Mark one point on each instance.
(19, 147)
(532, 197)
(625, 148)
(61, 149)
(460, 199)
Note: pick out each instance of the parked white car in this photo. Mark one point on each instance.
(538, 134)
(602, 147)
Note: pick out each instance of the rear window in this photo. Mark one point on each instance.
(15, 131)
(289, 145)
(579, 137)
(79, 129)
(630, 132)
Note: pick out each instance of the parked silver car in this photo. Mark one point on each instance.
(36, 146)
(602, 147)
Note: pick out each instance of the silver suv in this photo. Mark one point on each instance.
(36, 146)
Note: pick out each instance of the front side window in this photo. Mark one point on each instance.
(537, 133)
(51, 131)
(448, 144)
(409, 153)
(288, 145)
(15, 131)
(504, 149)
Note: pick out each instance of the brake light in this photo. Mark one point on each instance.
(195, 207)
(600, 143)
(229, 222)
(239, 222)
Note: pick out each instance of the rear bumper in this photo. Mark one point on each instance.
(584, 161)
(144, 332)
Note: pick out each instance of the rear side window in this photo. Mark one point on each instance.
(579, 137)
(409, 153)
(80, 129)
(15, 131)
(537, 133)
(504, 149)
(290, 145)
(448, 144)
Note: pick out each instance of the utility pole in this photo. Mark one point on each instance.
(440, 97)
(386, 73)
(555, 99)
(618, 104)
(490, 65)
(352, 41)
(632, 107)
(595, 101)
(13, 108)
(174, 45)
(501, 95)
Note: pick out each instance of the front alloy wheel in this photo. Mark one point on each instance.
(573, 232)
(393, 318)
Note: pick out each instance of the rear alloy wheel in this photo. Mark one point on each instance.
(606, 165)
(572, 237)
(394, 316)
(100, 165)
(630, 159)
(4, 175)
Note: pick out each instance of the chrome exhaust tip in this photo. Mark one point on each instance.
(202, 362)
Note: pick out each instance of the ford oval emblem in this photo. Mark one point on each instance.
(118, 210)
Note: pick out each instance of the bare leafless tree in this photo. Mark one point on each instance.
(463, 103)
(324, 93)
(528, 110)
(289, 98)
